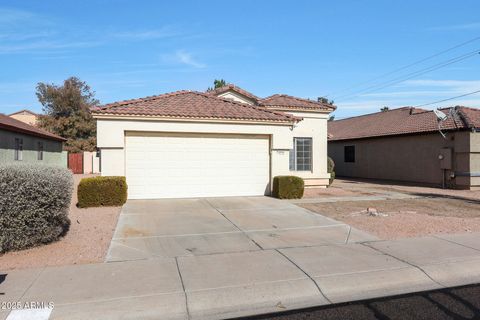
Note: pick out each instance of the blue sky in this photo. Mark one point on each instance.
(128, 49)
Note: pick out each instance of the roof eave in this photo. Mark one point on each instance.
(31, 133)
(301, 109)
(333, 139)
(114, 116)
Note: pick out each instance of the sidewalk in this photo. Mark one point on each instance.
(219, 286)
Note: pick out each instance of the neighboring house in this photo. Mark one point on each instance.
(405, 144)
(23, 143)
(194, 144)
(26, 116)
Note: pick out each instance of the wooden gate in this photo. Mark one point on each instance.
(75, 162)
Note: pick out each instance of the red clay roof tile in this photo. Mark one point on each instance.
(406, 120)
(192, 104)
(290, 102)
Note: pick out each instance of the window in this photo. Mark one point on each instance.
(40, 151)
(18, 149)
(349, 153)
(301, 155)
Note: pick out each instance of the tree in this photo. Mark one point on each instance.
(217, 84)
(384, 109)
(325, 100)
(331, 118)
(67, 113)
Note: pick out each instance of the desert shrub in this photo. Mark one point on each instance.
(34, 205)
(102, 191)
(331, 169)
(288, 187)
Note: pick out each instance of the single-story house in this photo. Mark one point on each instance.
(21, 142)
(27, 116)
(407, 144)
(225, 142)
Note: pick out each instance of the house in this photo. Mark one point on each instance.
(225, 142)
(406, 144)
(26, 116)
(23, 143)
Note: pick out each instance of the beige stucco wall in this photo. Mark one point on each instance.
(236, 97)
(25, 117)
(412, 158)
(111, 141)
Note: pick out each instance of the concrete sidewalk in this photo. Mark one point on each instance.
(225, 285)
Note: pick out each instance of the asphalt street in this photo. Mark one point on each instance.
(452, 303)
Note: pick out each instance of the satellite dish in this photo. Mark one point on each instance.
(440, 115)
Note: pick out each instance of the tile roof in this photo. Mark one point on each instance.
(290, 102)
(232, 87)
(192, 104)
(10, 124)
(406, 120)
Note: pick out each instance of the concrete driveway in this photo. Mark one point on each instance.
(171, 228)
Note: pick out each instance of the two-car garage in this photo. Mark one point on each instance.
(183, 165)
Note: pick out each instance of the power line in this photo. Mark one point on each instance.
(408, 65)
(410, 75)
(448, 99)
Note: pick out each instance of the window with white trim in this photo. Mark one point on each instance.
(301, 155)
(19, 149)
(40, 151)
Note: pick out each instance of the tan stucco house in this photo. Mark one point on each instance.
(26, 116)
(407, 144)
(225, 142)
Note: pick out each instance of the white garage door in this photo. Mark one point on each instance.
(182, 166)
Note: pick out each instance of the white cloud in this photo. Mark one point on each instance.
(9, 16)
(464, 26)
(165, 32)
(183, 57)
(44, 45)
(413, 93)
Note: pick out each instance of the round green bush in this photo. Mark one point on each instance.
(34, 205)
(288, 187)
(102, 191)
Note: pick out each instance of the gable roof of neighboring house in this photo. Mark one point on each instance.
(406, 120)
(23, 111)
(10, 124)
(232, 87)
(290, 102)
(192, 105)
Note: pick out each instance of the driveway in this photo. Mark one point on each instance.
(171, 228)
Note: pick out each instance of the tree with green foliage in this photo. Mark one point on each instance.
(331, 118)
(67, 113)
(217, 84)
(384, 109)
(325, 100)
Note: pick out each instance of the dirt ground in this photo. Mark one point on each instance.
(87, 241)
(436, 211)
(350, 187)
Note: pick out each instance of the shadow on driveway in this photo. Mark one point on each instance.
(451, 303)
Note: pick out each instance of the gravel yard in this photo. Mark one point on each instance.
(86, 242)
(436, 211)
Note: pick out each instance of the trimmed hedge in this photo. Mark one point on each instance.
(288, 187)
(102, 191)
(34, 205)
(331, 169)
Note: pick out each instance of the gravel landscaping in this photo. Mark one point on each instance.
(86, 242)
(433, 211)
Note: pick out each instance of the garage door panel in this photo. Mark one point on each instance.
(166, 166)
